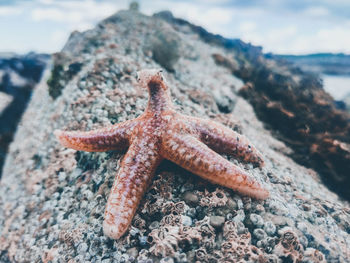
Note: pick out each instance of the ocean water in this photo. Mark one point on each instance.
(337, 86)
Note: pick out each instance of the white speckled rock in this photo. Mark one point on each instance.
(52, 199)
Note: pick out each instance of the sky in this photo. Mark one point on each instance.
(279, 26)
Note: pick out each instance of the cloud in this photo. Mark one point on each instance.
(58, 37)
(247, 26)
(55, 14)
(80, 15)
(316, 11)
(287, 26)
(10, 10)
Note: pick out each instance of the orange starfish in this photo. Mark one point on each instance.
(162, 133)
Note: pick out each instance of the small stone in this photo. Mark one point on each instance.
(167, 260)
(132, 252)
(186, 220)
(241, 229)
(191, 199)
(62, 176)
(232, 204)
(239, 203)
(303, 240)
(83, 247)
(154, 225)
(134, 231)
(217, 221)
(191, 212)
(143, 240)
(269, 228)
(180, 257)
(186, 187)
(259, 233)
(259, 209)
(256, 220)
(239, 217)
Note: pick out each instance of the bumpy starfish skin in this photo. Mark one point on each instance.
(162, 133)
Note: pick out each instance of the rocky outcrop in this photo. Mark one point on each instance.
(292, 103)
(52, 199)
(18, 76)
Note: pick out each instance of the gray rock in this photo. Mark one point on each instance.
(191, 198)
(269, 228)
(256, 220)
(42, 213)
(217, 221)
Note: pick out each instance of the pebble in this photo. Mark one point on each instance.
(239, 204)
(269, 228)
(232, 204)
(62, 176)
(83, 247)
(241, 229)
(143, 240)
(239, 217)
(186, 187)
(181, 257)
(256, 220)
(191, 199)
(191, 212)
(186, 220)
(133, 252)
(154, 225)
(217, 221)
(259, 233)
(167, 260)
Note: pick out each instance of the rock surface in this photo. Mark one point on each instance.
(52, 199)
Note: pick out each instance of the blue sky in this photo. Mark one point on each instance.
(279, 26)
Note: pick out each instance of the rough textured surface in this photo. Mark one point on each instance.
(52, 199)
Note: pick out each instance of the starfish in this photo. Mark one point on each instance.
(162, 133)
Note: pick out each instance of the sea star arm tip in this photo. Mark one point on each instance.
(114, 137)
(224, 140)
(198, 158)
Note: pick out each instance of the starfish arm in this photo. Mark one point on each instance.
(137, 170)
(199, 159)
(100, 140)
(224, 140)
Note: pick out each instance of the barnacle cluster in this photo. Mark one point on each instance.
(289, 247)
(238, 247)
(214, 199)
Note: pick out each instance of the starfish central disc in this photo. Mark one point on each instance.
(162, 133)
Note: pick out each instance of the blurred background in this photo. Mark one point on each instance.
(289, 27)
(313, 34)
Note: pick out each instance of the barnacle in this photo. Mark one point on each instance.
(164, 241)
(214, 199)
(289, 247)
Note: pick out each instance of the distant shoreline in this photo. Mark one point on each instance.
(321, 63)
